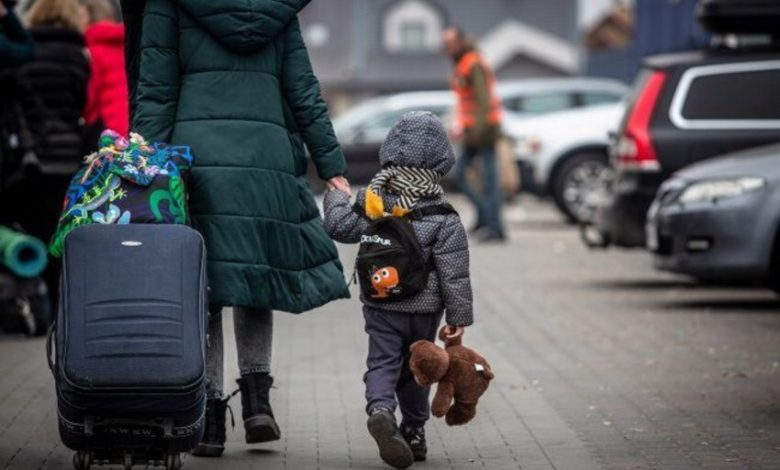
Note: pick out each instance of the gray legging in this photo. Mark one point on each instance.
(254, 334)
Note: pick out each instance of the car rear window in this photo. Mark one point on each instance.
(747, 95)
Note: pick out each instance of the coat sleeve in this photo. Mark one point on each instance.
(451, 258)
(16, 43)
(342, 223)
(302, 94)
(156, 96)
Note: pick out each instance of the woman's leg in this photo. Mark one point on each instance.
(254, 337)
(215, 354)
(254, 329)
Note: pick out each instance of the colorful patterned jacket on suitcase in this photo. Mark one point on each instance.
(126, 181)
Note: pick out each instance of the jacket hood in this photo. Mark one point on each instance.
(418, 140)
(105, 32)
(243, 26)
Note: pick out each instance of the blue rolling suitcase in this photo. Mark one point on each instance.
(130, 344)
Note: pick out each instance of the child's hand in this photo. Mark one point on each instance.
(453, 332)
(340, 183)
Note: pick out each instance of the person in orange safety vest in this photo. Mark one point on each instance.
(478, 125)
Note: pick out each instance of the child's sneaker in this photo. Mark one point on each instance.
(415, 437)
(392, 446)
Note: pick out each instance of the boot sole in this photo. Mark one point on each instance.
(261, 428)
(393, 449)
(208, 450)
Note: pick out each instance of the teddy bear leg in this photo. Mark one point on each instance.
(442, 399)
(461, 413)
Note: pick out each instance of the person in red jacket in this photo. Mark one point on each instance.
(108, 97)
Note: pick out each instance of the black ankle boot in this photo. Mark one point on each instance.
(213, 442)
(415, 437)
(259, 421)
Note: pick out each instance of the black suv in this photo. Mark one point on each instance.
(688, 107)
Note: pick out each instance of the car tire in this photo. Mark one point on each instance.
(580, 169)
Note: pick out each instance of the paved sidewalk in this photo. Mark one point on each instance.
(600, 363)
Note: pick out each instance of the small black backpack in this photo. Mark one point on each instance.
(391, 265)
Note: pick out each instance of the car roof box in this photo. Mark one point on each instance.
(740, 16)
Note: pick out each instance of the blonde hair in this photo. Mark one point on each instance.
(100, 10)
(67, 14)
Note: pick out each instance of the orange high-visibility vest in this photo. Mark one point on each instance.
(467, 99)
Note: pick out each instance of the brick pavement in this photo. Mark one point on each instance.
(601, 363)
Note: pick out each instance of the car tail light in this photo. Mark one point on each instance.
(635, 148)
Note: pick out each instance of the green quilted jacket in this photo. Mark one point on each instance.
(232, 79)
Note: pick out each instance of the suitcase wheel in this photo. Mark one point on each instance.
(82, 460)
(173, 462)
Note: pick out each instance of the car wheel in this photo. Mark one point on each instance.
(578, 183)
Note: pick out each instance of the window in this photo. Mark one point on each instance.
(413, 36)
(540, 104)
(375, 129)
(728, 96)
(590, 98)
(749, 95)
(412, 26)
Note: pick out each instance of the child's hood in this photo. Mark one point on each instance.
(418, 140)
(243, 26)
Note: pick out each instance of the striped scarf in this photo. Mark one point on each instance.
(408, 183)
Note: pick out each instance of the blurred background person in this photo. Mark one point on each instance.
(16, 47)
(52, 92)
(16, 44)
(478, 125)
(108, 100)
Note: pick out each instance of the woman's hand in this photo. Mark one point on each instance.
(3, 10)
(340, 183)
(453, 332)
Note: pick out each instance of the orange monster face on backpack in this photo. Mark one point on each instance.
(383, 280)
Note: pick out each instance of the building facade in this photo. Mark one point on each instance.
(362, 48)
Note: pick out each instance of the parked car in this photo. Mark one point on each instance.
(687, 107)
(362, 129)
(532, 97)
(565, 154)
(719, 219)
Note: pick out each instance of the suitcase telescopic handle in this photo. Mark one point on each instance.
(49, 348)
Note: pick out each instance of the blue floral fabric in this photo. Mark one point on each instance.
(126, 181)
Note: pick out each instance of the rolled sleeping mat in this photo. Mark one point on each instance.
(23, 255)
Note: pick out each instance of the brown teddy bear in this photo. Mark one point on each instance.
(462, 374)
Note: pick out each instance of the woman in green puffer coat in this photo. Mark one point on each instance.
(232, 79)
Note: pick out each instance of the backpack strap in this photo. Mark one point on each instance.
(416, 214)
(439, 209)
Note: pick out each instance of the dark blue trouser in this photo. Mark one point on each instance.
(388, 376)
(488, 203)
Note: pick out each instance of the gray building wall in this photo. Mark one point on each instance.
(354, 63)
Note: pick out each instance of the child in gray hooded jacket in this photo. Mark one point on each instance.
(414, 157)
